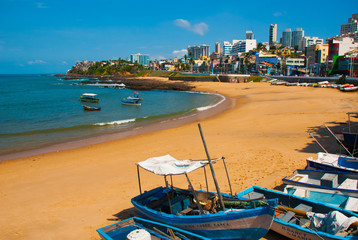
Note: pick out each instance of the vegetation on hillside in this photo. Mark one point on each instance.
(117, 67)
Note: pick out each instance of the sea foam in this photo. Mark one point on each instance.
(212, 106)
(116, 122)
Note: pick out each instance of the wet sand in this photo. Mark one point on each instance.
(68, 194)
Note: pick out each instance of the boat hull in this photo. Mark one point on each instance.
(292, 230)
(312, 165)
(131, 103)
(230, 224)
(120, 230)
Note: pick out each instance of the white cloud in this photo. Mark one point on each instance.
(40, 5)
(279, 14)
(36, 62)
(199, 28)
(180, 53)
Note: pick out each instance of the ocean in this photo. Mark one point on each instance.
(42, 110)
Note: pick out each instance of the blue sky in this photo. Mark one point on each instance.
(51, 36)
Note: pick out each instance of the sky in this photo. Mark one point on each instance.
(45, 37)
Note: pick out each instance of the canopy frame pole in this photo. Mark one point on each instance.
(330, 131)
(194, 194)
(227, 174)
(206, 180)
(212, 169)
(168, 195)
(139, 183)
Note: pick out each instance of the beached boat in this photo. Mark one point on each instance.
(278, 82)
(333, 162)
(144, 229)
(91, 108)
(349, 89)
(213, 215)
(347, 183)
(301, 218)
(348, 136)
(89, 97)
(336, 198)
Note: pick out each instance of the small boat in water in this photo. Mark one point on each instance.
(302, 218)
(132, 101)
(144, 229)
(89, 97)
(91, 108)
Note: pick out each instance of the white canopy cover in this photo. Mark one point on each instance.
(167, 165)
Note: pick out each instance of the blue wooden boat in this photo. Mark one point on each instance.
(139, 228)
(132, 101)
(333, 162)
(201, 212)
(301, 218)
(346, 183)
(332, 197)
(348, 136)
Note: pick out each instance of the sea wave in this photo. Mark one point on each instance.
(116, 122)
(214, 105)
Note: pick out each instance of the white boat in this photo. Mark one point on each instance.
(347, 183)
(333, 162)
(89, 97)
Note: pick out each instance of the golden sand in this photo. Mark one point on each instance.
(68, 194)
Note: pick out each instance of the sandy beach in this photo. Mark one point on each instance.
(68, 194)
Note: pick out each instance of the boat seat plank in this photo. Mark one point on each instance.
(287, 217)
(253, 195)
(349, 184)
(352, 204)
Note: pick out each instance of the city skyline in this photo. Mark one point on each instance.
(51, 36)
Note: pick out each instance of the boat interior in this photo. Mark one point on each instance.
(293, 210)
(331, 180)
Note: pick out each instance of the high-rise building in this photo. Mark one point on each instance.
(273, 34)
(227, 46)
(287, 38)
(297, 36)
(250, 35)
(309, 41)
(218, 48)
(198, 51)
(142, 59)
(351, 26)
(243, 46)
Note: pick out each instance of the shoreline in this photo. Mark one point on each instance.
(176, 121)
(69, 194)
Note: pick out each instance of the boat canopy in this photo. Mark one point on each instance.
(168, 165)
(89, 94)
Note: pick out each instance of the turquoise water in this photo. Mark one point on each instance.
(42, 110)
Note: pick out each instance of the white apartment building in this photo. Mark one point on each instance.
(309, 41)
(227, 46)
(242, 46)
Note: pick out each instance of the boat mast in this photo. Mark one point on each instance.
(212, 169)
